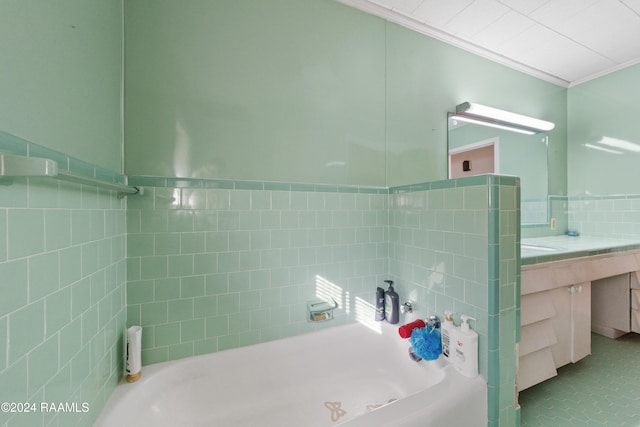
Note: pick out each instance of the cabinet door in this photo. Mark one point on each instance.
(572, 323)
(581, 321)
(562, 350)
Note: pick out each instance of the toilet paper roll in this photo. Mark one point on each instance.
(134, 353)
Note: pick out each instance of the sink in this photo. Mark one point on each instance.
(537, 248)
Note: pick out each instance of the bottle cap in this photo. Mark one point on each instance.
(464, 326)
(447, 316)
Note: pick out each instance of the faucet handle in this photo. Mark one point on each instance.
(407, 307)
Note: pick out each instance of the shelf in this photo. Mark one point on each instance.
(12, 166)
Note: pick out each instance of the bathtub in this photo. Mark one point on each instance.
(348, 375)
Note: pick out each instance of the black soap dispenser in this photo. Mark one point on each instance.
(391, 304)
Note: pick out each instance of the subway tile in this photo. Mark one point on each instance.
(42, 363)
(167, 334)
(192, 330)
(205, 346)
(205, 263)
(228, 303)
(139, 292)
(205, 307)
(239, 240)
(70, 340)
(228, 220)
(58, 311)
(25, 232)
(26, 330)
(178, 351)
(166, 289)
(43, 275)
(141, 244)
(153, 267)
(89, 258)
(155, 355)
(204, 220)
(216, 326)
(179, 265)
(216, 284)
(153, 313)
(192, 286)
(180, 220)
(14, 287)
(89, 324)
(217, 241)
(80, 226)
(192, 243)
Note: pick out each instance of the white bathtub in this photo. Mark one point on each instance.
(347, 375)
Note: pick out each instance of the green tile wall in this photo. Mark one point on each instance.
(455, 245)
(62, 296)
(606, 216)
(215, 268)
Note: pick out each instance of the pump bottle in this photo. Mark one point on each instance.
(391, 304)
(448, 333)
(466, 350)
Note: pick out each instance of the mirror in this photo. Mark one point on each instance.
(475, 149)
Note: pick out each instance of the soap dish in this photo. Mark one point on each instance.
(320, 310)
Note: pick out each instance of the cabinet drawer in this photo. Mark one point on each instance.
(536, 307)
(536, 336)
(635, 321)
(535, 368)
(635, 299)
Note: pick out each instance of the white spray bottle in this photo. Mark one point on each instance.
(466, 350)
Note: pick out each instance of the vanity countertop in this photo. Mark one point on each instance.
(554, 248)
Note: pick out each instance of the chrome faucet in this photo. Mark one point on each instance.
(434, 321)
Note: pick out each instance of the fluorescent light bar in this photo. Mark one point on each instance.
(491, 124)
(511, 120)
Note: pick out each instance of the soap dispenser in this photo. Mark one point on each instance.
(448, 332)
(466, 350)
(391, 304)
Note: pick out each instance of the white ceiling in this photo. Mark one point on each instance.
(562, 41)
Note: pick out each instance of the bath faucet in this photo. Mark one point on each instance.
(434, 321)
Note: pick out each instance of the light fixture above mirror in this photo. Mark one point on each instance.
(489, 116)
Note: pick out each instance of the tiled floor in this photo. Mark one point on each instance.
(601, 390)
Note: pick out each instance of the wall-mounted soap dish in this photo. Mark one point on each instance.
(320, 310)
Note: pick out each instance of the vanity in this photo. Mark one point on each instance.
(569, 287)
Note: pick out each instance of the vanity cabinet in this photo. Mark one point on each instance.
(560, 303)
(555, 330)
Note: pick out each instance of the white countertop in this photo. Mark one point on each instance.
(551, 248)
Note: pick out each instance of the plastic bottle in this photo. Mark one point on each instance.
(466, 355)
(391, 304)
(448, 331)
(379, 304)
